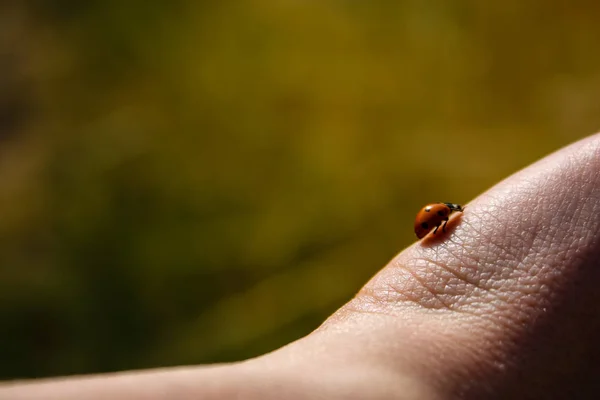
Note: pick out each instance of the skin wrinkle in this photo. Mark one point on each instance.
(413, 295)
(572, 217)
(503, 249)
(469, 263)
(440, 347)
(549, 239)
(462, 277)
(451, 288)
(462, 281)
(375, 301)
(426, 286)
(503, 254)
(566, 223)
(445, 278)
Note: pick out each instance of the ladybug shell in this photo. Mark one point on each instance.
(429, 217)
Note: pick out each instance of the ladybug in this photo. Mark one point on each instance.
(432, 216)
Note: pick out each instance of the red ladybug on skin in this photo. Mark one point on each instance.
(432, 216)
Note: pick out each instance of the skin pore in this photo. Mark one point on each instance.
(503, 305)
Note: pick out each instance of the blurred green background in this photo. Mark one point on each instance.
(205, 181)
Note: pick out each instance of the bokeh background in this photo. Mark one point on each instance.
(204, 181)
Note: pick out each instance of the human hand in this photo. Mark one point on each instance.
(502, 305)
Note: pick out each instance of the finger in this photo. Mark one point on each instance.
(512, 286)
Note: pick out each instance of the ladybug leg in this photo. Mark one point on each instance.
(436, 228)
(445, 223)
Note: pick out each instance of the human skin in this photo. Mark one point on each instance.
(505, 305)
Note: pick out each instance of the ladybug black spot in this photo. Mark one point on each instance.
(440, 213)
(424, 225)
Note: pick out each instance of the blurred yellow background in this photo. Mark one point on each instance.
(194, 182)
